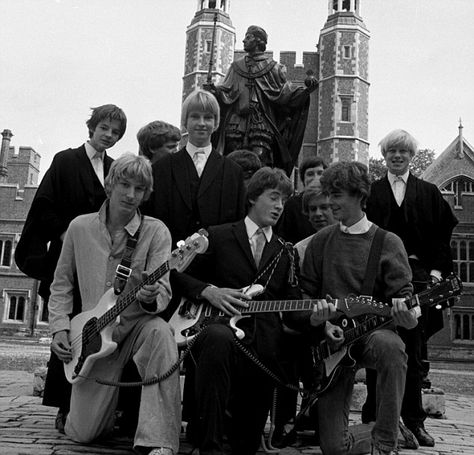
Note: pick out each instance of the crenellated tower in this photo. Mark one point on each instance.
(200, 46)
(344, 86)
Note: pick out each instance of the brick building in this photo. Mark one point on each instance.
(21, 309)
(453, 173)
(337, 126)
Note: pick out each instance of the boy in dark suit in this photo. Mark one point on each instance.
(196, 187)
(72, 186)
(226, 381)
(416, 211)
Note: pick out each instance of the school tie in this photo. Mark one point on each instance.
(199, 159)
(98, 165)
(398, 189)
(258, 244)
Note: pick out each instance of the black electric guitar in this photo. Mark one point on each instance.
(91, 331)
(378, 316)
(191, 316)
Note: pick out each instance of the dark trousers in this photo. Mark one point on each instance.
(227, 387)
(415, 340)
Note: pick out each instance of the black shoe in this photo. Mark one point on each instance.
(408, 439)
(424, 439)
(60, 421)
(281, 438)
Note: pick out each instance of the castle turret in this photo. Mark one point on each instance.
(344, 85)
(210, 35)
(4, 153)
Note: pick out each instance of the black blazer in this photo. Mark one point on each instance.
(220, 198)
(427, 213)
(69, 188)
(228, 262)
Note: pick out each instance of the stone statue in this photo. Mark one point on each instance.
(260, 109)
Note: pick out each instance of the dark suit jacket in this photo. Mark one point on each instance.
(427, 213)
(220, 199)
(228, 262)
(69, 188)
(293, 225)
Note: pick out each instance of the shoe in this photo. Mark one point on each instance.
(408, 439)
(60, 421)
(281, 438)
(161, 451)
(379, 451)
(424, 439)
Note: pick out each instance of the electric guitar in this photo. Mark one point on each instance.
(91, 331)
(334, 359)
(191, 316)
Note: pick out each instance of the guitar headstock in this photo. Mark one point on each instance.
(439, 294)
(357, 305)
(182, 256)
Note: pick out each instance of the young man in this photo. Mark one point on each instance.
(196, 187)
(317, 209)
(294, 225)
(227, 382)
(248, 161)
(416, 211)
(72, 186)
(93, 248)
(335, 264)
(157, 139)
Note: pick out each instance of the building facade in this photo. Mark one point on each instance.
(453, 173)
(337, 126)
(21, 309)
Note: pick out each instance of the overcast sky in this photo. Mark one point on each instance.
(60, 57)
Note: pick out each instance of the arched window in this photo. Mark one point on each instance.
(466, 327)
(6, 253)
(16, 307)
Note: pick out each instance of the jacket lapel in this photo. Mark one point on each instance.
(271, 249)
(180, 171)
(213, 165)
(240, 233)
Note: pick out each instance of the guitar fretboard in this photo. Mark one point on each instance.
(126, 300)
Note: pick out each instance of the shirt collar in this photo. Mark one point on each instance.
(361, 227)
(192, 149)
(391, 177)
(252, 228)
(131, 227)
(91, 151)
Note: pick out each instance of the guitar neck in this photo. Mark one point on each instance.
(126, 300)
(271, 306)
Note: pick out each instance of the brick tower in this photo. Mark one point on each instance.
(344, 87)
(199, 44)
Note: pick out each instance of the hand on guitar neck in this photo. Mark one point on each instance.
(226, 300)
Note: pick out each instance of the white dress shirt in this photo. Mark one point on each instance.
(97, 161)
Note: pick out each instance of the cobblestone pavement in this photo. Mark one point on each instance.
(27, 427)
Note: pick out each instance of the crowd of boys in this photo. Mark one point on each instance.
(89, 218)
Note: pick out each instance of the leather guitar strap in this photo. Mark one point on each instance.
(123, 271)
(373, 262)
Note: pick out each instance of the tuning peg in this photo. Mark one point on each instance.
(438, 307)
(203, 232)
(180, 243)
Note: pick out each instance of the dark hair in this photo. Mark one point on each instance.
(247, 160)
(156, 134)
(107, 112)
(268, 178)
(352, 177)
(307, 163)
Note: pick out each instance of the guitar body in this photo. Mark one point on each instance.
(88, 343)
(191, 317)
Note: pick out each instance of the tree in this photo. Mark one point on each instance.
(422, 159)
(377, 168)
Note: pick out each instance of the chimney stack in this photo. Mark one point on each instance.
(6, 137)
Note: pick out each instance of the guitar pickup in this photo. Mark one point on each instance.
(123, 272)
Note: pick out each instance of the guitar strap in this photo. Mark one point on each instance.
(123, 271)
(373, 262)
